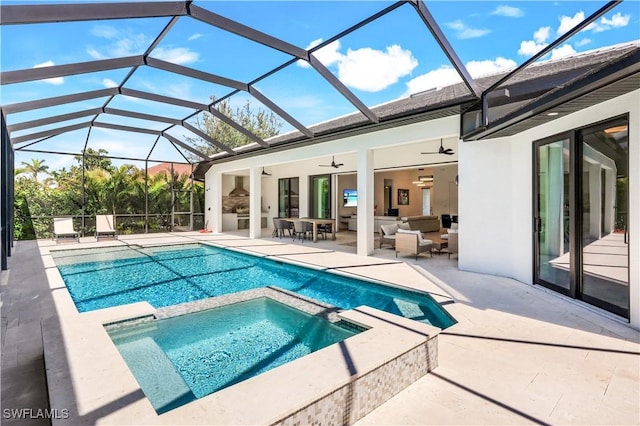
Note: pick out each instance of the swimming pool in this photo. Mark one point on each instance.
(177, 360)
(169, 275)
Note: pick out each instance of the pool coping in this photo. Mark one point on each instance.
(80, 338)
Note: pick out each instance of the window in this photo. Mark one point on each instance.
(288, 197)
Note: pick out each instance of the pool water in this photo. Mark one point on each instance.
(170, 275)
(177, 360)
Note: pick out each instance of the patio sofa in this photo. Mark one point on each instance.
(377, 221)
(423, 223)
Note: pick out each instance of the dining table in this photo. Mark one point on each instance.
(316, 222)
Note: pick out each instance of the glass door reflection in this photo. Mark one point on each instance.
(604, 204)
(552, 243)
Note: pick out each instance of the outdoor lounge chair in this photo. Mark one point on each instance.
(63, 228)
(388, 233)
(412, 242)
(105, 226)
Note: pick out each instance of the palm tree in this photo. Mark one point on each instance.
(36, 166)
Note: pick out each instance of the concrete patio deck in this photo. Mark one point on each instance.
(518, 355)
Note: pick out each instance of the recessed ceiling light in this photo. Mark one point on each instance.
(552, 114)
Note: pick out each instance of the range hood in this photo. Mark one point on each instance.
(238, 190)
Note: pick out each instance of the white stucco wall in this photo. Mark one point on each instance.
(496, 196)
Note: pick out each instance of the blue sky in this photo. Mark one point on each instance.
(385, 60)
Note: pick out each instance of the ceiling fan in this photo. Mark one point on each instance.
(264, 173)
(442, 150)
(333, 164)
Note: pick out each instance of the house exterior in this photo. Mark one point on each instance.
(548, 192)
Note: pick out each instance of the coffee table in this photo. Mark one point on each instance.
(439, 245)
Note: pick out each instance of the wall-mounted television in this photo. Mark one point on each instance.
(349, 198)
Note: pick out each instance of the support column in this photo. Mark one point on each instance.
(213, 201)
(365, 202)
(303, 191)
(255, 208)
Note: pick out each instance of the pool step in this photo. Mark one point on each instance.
(156, 374)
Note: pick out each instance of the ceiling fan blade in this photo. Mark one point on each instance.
(340, 165)
(429, 153)
(448, 151)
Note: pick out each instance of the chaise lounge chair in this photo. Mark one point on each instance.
(63, 228)
(105, 226)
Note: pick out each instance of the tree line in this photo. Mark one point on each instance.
(108, 189)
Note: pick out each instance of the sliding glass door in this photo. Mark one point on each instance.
(581, 207)
(320, 196)
(288, 197)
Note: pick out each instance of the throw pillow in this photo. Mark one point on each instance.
(389, 229)
(404, 226)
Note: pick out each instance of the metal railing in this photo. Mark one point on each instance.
(124, 223)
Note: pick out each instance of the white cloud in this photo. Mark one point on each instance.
(372, 70)
(56, 81)
(328, 55)
(542, 34)
(447, 75)
(176, 55)
(487, 67)
(465, 32)
(366, 69)
(509, 11)
(563, 51)
(531, 47)
(568, 22)
(582, 42)
(179, 90)
(104, 31)
(443, 76)
(107, 82)
(94, 53)
(195, 36)
(616, 21)
(126, 42)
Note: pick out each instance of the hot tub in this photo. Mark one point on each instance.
(180, 359)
